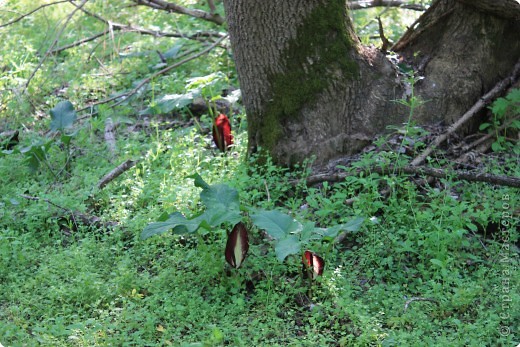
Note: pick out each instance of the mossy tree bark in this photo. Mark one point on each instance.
(311, 89)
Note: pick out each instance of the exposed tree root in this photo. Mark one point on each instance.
(479, 105)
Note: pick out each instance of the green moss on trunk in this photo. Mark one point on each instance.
(318, 56)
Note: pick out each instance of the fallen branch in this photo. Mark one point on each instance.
(37, 198)
(479, 105)
(75, 216)
(171, 7)
(488, 136)
(409, 301)
(112, 27)
(31, 12)
(48, 52)
(199, 36)
(115, 173)
(125, 95)
(364, 4)
(422, 170)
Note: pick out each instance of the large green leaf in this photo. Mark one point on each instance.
(220, 195)
(217, 215)
(169, 102)
(222, 206)
(175, 220)
(277, 224)
(287, 246)
(172, 52)
(63, 115)
(352, 226)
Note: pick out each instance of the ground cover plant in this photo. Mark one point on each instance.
(125, 226)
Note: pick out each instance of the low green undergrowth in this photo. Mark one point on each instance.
(428, 266)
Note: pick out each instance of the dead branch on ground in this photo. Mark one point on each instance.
(487, 136)
(123, 96)
(212, 8)
(115, 173)
(479, 105)
(75, 216)
(421, 170)
(199, 36)
(47, 53)
(113, 27)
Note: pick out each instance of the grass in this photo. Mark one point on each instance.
(107, 288)
(64, 283)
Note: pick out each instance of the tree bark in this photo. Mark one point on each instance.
(311, 89)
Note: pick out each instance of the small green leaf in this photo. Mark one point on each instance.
(199, 182)
(287, 246)
(497, 146)
(499, 107)
(63, 115)
(275, 223)
(354, 224)
(172, 52)
(437, 262)
(484, 126)
(514, 95)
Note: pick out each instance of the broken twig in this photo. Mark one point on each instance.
(115, 173)
(422, 170)
(479, 105)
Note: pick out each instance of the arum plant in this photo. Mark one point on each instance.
(313, 266)
(223, 207)
(237, 245)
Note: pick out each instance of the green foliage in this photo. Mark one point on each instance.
(68, 283)
(505, 114)
(223, 206)
(37, 153)
(63, 116)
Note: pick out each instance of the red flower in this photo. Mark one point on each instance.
(222, 132)
(313, 264)
(237, 245)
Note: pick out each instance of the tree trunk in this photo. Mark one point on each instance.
(311, 89)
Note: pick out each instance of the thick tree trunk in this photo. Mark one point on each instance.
(310, 88)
